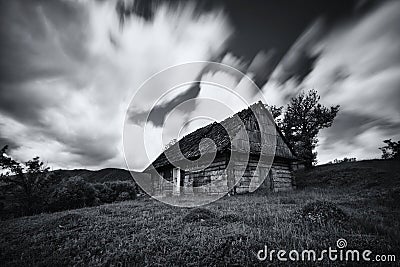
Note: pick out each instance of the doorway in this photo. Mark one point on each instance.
(176, 175)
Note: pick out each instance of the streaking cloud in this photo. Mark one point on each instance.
(73, 67)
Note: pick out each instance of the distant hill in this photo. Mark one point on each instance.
(361, 174)
(99, 176)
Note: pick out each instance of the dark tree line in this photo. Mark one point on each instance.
(30, 188)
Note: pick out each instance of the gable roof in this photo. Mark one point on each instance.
(218, 132)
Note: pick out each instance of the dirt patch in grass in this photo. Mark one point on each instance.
(287, 200)
(323, 212)
(199, 215)
(230, 218)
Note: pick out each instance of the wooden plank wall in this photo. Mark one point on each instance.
(210, 180)
(214, 178)
(282, 177)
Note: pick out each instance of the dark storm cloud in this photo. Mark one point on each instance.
(262, 67)
(265, 25)
(344, 129)
(284, 27)
(359, 68)
(300, 58)
(353, 62)
(38, 30)
(20, 104)
(357, 135)
(89, 149)
(363, 6)
(8, 142)
(57, 98)
(143, 9)
(298, 65)
(41, 42)
(158, 114)
(67, 69)
(259, 25)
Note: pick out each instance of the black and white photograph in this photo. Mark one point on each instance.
(199, 133)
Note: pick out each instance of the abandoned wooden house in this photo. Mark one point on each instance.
(238, 173)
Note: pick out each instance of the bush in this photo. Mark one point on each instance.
(119, 187)
(123, 196)
(72, 193)
(27, 182)
(104, 193)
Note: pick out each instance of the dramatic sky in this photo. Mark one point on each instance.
(69, 68)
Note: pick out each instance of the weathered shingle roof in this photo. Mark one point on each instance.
(218, 132)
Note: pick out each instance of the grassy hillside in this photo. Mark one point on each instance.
(355, 205)
(362, 175)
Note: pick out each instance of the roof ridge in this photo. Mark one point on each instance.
(224, 120)
(188, 144)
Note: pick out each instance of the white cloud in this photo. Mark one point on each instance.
(359, 69)
(82, 122)
(72, 77)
